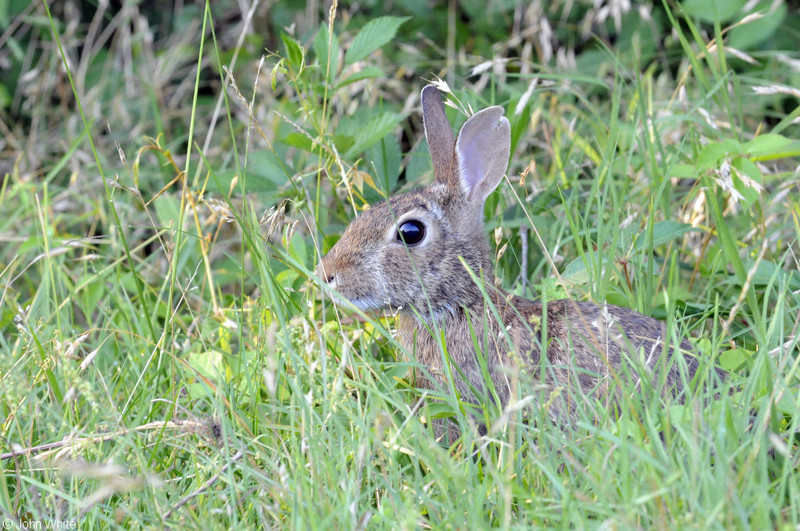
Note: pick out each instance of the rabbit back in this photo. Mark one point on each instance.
(596, 348)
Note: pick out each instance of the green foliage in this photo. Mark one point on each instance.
(372, 36)
(171, 177)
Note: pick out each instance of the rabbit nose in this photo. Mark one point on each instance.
(331, 281)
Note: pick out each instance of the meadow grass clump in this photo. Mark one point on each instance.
(172, 176)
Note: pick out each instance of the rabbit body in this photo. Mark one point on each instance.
(406, 254)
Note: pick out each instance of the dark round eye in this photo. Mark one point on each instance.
(411, 232)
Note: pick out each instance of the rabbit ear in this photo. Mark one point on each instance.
(438, 132)
(482, 151)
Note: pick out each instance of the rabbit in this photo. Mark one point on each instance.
(404, 254)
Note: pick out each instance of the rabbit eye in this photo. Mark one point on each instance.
(411, 232)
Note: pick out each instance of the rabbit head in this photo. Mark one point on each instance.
(404, 252)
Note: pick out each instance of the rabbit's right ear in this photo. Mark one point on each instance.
(482, 151)
(439, 134)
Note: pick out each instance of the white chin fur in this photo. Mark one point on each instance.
(366, 304)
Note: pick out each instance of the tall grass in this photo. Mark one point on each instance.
(166, 357)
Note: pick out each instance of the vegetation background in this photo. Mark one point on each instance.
(171, 174)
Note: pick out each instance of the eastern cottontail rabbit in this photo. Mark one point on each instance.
(403, 254)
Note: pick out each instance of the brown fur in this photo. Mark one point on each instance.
(432, 290)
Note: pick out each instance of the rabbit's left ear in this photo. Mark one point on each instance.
(482, 150)
(438, 133)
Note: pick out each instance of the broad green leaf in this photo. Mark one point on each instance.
(439, 410)
(265, 172)
(767, 143)
(287, 277)
(343, 142)
(167, 209)
(714, 152)
(747, 36)
(264, 175)
(208, 364)
(668, 230)
(375, 129)
(732, 359)
(713, 10)
(294, 52)
(419, 162)
(675, 293)
(771, 146)
(326, 47)
(768, 271)
(372, 36)
(576, 272)
(786, 403)
(298, 250)
(791, 149)
(299, 140)
(683, 171)
(385, 157)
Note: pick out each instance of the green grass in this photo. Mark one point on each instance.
(166, 359)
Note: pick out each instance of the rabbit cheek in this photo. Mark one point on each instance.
(396, 278)
(352, 275)
(367, 288)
